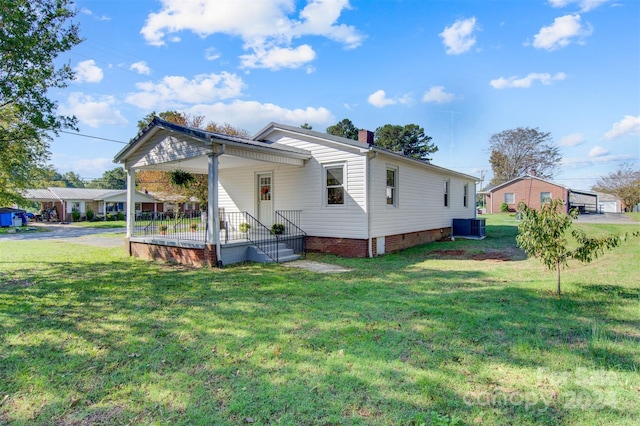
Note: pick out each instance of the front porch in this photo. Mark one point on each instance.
(241, 237)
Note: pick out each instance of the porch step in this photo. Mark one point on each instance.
(285, 254)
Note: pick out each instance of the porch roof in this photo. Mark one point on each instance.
(162, 145)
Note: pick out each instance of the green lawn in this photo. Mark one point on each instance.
(462, 332)
(102, 224)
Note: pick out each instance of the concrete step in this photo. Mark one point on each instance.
(284, 254)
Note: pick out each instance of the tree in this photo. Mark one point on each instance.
(408, 140)
(541, 234)
(33, 33)
(623, 183)
(516, 152)
(345, 129)
(115, 178)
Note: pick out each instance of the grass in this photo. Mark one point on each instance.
(635, 216)
(425, 336)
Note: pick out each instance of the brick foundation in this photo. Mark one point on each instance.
(347, 247)
(350, 247)
(191, 256)
(402, 241)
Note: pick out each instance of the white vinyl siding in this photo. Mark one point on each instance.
(303, 188)
(422, 200)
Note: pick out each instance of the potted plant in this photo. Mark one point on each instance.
(244, 227)
(181, 178)
(194, 226)
(163, 229)
(277, 228)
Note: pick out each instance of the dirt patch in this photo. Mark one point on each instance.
(495, 256)
(490, 255)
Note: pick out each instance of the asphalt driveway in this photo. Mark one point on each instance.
(113, 237)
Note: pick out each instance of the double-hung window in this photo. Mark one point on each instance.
(545, 198)
(447, 189)
(509, 198)
(334, 184)
(392, 186)
(465, 194)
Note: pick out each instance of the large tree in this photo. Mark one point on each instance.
(516, 152)
(115, 178)
(33, 33)
(409, 140)
(623, 183)
(344, 128)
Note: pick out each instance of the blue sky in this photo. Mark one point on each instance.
(463, 70)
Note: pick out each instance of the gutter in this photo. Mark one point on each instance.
(368, 171)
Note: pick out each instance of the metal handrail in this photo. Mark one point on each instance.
(265, 238)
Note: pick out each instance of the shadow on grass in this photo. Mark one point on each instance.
(136, 342)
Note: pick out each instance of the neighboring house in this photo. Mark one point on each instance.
(343, 196)
(535, 192)
(63, 201)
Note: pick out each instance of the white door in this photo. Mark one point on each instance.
(265, 199)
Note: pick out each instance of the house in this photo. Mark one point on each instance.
(336, 195)
(534, 192)
(61, 202)
(609, 203)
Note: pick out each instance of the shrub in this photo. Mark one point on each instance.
(244, 227)
(89, 215)
(121, 216)
(504, 208)
(277, 228)
(75, 215)
(110, 217)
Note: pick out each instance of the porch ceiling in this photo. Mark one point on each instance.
(199, 165)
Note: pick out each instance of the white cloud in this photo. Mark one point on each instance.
(89, 12)
(629, 125)
(379, 99)
(252, 115)
(597, 158)
(560, 34)
(265, 26)
(211, 54)
(88, 72)
(438, 95)
(585, 5)
(140, 67)
(526, 82)
(573, 139)
(278, 57)
(458, 38)
(85, 167)
(598, 151)
(94, 112)
(178, 91)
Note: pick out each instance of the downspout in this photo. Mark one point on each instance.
(368, 169)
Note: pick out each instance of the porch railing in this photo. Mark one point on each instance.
(234, 226)
(180, 226)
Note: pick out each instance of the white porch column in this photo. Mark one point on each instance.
(131, 203)
(213, 224)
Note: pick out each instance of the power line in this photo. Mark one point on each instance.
(93, 137)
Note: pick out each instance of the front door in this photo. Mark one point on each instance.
(265, 199)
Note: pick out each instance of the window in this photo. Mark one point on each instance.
(465, 194)
(392, 189)
(446, 193)
(335, 185)
(545, 197)
(75, 206)
(509, 198)
(265, 187)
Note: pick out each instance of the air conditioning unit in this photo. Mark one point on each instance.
(472, 228)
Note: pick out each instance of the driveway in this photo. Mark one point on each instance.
(113, 237)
